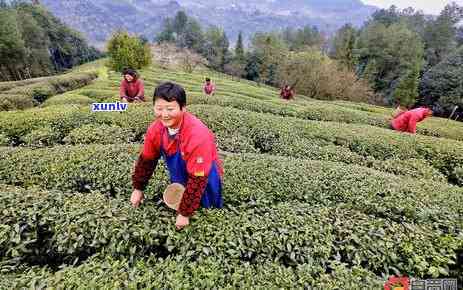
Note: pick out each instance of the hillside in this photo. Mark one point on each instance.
(146, 16)
(317, 194)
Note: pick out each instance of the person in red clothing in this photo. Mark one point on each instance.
(406, 121)
(132, 88)
(287, 92)
(188, 149)
(209, 88)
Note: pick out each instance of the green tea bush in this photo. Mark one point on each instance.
(68, 99)
(319, 111)
(39, 92)
(209, 273)
(12, 102)
(5, 86)
(99, 134)
(108, 169)
(98, 94)
(415, 168)
(4, 140)
(42, 137)
(241, 131)
(61, 119)
(52, 228)
(293, 137)
(314, 197)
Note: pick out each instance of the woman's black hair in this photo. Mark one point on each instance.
(169, 92)
(129, 71)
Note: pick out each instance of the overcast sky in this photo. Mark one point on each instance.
(428, 6)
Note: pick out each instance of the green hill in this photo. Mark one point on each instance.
(317, 194)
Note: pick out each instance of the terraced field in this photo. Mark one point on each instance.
(317, 194)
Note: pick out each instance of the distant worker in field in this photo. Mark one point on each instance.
(209, 87)
(132, 88)
(189, 150)
(287, 92)
(407, 120)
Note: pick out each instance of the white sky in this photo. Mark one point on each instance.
(428, 6)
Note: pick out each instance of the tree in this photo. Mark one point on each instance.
(37, 58)
(216, 48)
(238, 64)
(180, 22)
(459, 36)
(442, 85)
(35, 43)
(386, 54)
(239, 48)
(440, 34)
(315, 75)
(125, 50)
(406, 92)
(192, 36)
(254, 61)
(386, 16)
(167, 32)
(300, 39)
(184, 31)
(344, 45)
(269, 49)
(190, 60)
(12, 50)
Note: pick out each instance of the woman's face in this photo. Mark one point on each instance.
(128, 77)
(169, 113)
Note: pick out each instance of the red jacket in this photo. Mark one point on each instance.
(406, 122)
(197, 145)
(287, 94)
(198, 149)
(209, 89)
(132, 90)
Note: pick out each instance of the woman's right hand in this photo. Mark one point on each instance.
(137, 198)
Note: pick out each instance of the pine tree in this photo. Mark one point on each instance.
(239, 48)
(343, 46)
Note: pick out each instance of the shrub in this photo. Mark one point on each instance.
(127, 51)
(316, 76)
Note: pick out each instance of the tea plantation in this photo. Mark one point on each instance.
(318, 195)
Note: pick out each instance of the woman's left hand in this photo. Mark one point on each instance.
(182, 221)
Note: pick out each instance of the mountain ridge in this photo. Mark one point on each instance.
(97, 19)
